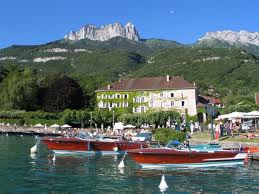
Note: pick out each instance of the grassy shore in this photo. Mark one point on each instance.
(205, 136)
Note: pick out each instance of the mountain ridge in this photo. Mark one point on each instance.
(105, 32)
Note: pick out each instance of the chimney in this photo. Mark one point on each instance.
(120, 80)
(109, 87)
(167, 78)
(194, 84)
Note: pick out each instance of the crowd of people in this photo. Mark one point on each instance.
(228, 128)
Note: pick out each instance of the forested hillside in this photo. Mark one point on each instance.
(233, 73)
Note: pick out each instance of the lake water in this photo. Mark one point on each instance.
(22, 173)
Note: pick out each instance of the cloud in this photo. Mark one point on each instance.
(172, 12)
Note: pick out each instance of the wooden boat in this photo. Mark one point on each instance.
(173, 157)
(251, 149)
(90, 146)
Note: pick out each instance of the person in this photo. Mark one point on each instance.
(231, 127)
(217, 131)
(227, 127)
(209, 127)
(221, 129)
(192, 127)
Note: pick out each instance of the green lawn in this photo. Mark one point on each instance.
(205, 136)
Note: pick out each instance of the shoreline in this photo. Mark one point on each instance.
(29, 131)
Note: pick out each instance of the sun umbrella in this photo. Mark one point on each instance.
(129, 126)
(39, 125)
(66, 126)
(55, 126)
(252, 114)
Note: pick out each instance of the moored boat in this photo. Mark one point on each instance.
(91, 146)
(177, 157)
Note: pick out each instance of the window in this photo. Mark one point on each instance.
(104, 105)
(151, 104)
(110, 105)
(110, 96)
(125, 96)
(142, 99)
(142, 109)
(172, 95)
(182, 103)
(135, 110)
(161, 95)
(118, 96)
(125, 104)
(172, 103)
(118, 104)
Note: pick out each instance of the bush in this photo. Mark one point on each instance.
(164, 135)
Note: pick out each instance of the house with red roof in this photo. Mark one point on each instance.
(204, 100)
(139, 95)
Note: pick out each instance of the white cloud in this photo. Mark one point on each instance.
(172, 12)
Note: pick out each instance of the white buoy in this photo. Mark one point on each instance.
(21, 135)
(34, 149)
(54, 158)
(6, 134)
(115, 149)
(163, 186)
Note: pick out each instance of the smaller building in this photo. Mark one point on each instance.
(204, 100)
(138, 95)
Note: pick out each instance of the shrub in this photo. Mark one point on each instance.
(164, 135)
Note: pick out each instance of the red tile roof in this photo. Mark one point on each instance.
(257, 98)
(211, 99)
(149, 83)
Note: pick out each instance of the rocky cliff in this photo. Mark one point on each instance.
(232, 37)
(105, 32)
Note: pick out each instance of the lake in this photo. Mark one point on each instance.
(21, 172)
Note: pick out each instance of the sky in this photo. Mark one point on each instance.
(26, 22)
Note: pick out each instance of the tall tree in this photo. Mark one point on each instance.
(63, 93)
(19, 90)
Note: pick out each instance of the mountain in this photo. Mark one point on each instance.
(105, 32)
(244, 40)
(105, 58)
(215, 60)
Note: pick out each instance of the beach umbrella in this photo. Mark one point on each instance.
(252, 114)
(232, 115)
(118, 126)
(55, 126)
(39, 125)
(66, 126)
(129, 126)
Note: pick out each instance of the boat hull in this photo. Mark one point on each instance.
(157, 158)
(79, 146)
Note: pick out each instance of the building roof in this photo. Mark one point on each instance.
(257, 98)
(211, 99)
(149, 83)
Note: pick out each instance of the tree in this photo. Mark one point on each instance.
(63, 93)
(19, 90)
(103, 117)
(82, 116)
